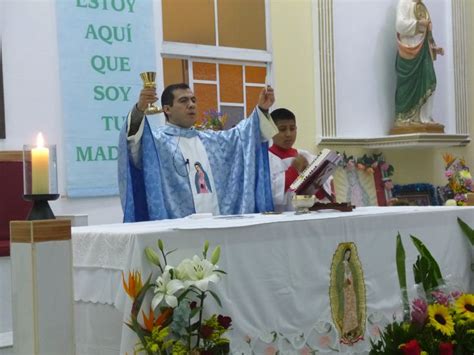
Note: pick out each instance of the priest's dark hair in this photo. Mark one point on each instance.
(282, 114)
(167, 97)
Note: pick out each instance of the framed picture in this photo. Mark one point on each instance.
(416, 194)
(363, 181)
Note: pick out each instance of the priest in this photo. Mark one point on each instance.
(174, 170)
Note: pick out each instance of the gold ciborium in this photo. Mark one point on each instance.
(148, 79)
(302, 203)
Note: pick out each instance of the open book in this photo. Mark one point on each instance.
(317, 172)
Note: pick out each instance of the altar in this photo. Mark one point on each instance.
(278, 272)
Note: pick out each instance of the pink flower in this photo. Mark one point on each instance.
(440, 297)
(460, 197)
(305, 351)
(419, 311)
(456, 294)
(384, 166)
(448, 173)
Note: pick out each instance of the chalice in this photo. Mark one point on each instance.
(148, 79)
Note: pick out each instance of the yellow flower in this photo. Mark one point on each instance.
(134, 284)
(465, 174)
(440, 319)
(465, 306)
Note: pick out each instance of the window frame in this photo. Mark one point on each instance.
(215, 54)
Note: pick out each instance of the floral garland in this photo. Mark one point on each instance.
(212, 119)
(174, 323)
(367, 163)
(459, 178)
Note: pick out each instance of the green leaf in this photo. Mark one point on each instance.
(184, 294)
(402, 278)
(433, 265)
(468, 231)
(213, 294)
(171, 251)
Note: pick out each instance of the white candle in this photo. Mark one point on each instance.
(40, 167)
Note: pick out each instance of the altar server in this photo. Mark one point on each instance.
(286, 162)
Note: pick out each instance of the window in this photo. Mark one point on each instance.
(230, 88)
(239, 24)
(224, 58)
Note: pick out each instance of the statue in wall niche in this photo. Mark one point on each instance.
(416, 77)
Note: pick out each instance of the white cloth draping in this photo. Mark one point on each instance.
(278, 266)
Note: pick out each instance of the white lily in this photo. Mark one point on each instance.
(198, 272)
(166, 289)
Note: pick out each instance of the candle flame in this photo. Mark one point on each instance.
(40, 140)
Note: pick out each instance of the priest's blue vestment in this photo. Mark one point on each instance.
(160, 187)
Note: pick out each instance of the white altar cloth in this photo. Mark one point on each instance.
(278, 268)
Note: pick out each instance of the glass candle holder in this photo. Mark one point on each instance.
(40, 179)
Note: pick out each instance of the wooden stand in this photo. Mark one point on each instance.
(42, 288)
(342, 207)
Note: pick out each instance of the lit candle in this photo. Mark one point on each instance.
(40, 167)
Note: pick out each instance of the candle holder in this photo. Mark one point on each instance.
(40, 179)
(40, 208)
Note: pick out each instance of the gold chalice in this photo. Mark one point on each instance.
(148, 79)
(302, 203)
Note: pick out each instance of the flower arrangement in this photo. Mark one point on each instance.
(459, 178)
(443, 325)
(439, 321)
(174, 324)
(212, 119)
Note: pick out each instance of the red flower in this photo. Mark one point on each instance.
(411, 348)
(224, 321)
(446, 349)
(206, 331)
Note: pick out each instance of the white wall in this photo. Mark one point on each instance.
(32, 96)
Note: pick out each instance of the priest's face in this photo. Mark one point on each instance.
(183, 111)
(286, 136)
